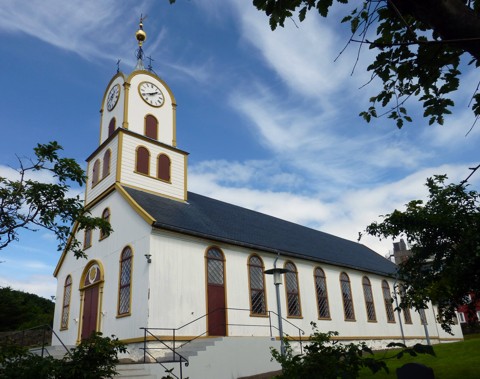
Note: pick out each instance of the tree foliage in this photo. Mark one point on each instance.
(21, 310)
(419, 45)
(94, 358)
(327, 358)
(443, 233)
(30, 204)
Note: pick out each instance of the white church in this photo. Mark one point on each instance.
(181, 267)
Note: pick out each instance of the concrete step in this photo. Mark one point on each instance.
(57, 351)
(134, 371)
(190, 349)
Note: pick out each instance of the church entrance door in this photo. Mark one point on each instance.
(90, 311)
(91, 286)
(217, 320)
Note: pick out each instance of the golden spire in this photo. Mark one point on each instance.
(140, 34)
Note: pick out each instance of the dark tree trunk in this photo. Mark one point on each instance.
(450, 19)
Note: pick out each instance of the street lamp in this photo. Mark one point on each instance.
(277, 280)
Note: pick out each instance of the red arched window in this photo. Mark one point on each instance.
(348, 310)
(368, 295)
(256, 278)
(124, 293)
(106, 163)
(151, 127)
(163, 167)
(67, 293)
(322, 295)
(96, 172)
(293, 293)
(143, 160)
(111, 126)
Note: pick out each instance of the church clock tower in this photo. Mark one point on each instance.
(138, 136)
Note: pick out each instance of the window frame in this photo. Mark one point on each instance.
(388, 301)
(369, 303)
(139, 160)
(347, 301)
(67, 296)
(122, 264)
(87, 238)
(319, 275)
(96, 172)
(295, 293)
(111, 126)
(107, 157)
(257, 291)
(168, 168)
(106, 216)
(147, 127)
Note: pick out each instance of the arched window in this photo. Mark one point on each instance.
(163, 167)
(87, 241)
(95, 172)
(106, 163)
(348, 309)
(143, 160)
(423, 316)
(322, 295)
(257, 286)
(369, 305)
(387, 298)
(67, 294)
(111, 126)
(105, 216)
(124, 292)
(407, 315)
(151, 126)
(293, 294)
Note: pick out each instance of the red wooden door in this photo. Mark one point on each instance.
(90, 311)
(217, 323)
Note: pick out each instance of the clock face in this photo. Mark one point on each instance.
(112, 97)
(151, 94)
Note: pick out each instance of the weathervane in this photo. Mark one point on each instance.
(118, 66)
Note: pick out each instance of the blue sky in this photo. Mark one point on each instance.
(270, 119)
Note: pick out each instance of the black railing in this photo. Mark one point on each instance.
(173, 335)
(34, 338)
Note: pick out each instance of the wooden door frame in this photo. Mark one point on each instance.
(224, 286)
(82, 287)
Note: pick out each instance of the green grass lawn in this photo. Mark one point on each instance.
(456, 360)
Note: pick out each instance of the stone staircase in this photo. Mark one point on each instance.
(56, 351)
(225, 358)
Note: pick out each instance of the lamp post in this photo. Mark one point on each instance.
(277, 280)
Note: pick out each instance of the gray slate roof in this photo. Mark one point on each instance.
(216, 220)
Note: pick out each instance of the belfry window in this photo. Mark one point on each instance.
(257, 286)
(96, 172)
(293, 294)
(151, 127)
(387, 298)
(67, 293)
(322, 295)
(111, 126)
(368, 295)
(143, 160)
(347, 298)
(124, 292)
(106, 163)
(163, 167)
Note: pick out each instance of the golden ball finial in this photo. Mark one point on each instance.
(140, 34)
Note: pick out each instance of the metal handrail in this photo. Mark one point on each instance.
(175, 330)
(44, 328)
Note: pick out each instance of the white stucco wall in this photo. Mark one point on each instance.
(128, 229)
